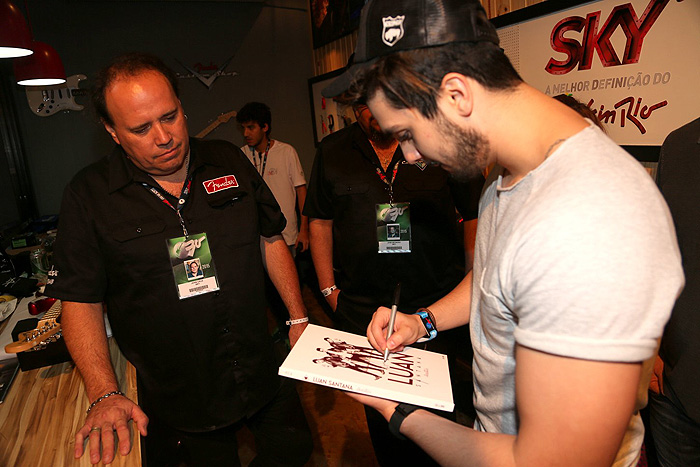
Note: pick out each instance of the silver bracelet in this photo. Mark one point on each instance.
(103, 397)
(297, 321)
(327, 291)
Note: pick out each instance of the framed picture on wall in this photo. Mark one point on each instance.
(332, 19)
(327, 115)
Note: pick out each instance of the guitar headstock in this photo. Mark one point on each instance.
(48, 330)
(224, 118)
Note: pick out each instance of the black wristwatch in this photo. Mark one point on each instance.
(400, 413)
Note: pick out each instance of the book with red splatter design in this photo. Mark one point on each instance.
(348, 362)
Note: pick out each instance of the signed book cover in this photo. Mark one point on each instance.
(347, 361)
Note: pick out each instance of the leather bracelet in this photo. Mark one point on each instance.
(291, 322)
(400, 413)
(103, 397)
(329, 290)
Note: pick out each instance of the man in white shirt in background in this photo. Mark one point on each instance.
(278, 164)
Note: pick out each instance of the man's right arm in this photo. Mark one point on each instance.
(84, 333)
(451, 311)
(321, 231)
(571, 411)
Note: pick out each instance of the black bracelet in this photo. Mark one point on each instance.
(400, 413)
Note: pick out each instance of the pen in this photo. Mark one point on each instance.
(392, 318)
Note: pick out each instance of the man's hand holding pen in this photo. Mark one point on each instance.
(407, 330)
(392, 316)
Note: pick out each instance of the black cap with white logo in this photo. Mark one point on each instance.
(388, 26)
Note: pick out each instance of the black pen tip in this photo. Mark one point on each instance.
(397, 294)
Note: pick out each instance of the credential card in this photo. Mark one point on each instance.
(193, 265)
(394, 228)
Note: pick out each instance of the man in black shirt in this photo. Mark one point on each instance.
(129, 226)
(355, 170)
(675, 409)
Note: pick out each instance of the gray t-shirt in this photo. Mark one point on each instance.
(579, 259)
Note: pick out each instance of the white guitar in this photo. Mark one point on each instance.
(45, 101)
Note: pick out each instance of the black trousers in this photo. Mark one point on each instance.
(676, 436)
(282, 438)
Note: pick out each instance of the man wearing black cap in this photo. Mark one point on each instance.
(576, 263)
(360, 172)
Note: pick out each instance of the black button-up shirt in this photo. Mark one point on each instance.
(345, 187)
(678, 179)
(203, 362)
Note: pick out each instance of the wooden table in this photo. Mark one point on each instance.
(45, 407)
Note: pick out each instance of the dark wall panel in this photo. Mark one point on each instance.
(269, 48)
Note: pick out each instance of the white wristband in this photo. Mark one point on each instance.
(329, 290)
(297, 321)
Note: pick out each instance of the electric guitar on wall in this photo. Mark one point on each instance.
(223, 118)
(45, 101)
(48, 330)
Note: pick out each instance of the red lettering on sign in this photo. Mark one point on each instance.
(581, 53)
(634, 112)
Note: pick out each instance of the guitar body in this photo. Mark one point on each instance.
(45, 101)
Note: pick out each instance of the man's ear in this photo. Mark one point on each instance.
(265, 128)
(456, 90)
(111, 131)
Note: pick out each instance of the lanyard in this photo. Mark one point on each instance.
(263, 162)
(383, 178)
(180, 201)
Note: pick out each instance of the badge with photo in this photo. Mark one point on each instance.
(394, 228)
(192, 265)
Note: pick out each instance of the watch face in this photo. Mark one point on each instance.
(430, 330)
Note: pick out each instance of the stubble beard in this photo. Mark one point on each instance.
(465, 150)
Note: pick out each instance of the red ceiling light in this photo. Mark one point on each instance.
(43, 68)
(15, 38)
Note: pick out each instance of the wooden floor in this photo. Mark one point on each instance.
(338, 422)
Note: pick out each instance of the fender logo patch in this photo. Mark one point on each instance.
(220, 184)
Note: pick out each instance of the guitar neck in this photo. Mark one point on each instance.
(208, 129)
(223, 118)
(52, 313)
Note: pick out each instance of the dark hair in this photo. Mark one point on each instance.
(130, 64)
(580, 107)
(256, 112)
(412, 78)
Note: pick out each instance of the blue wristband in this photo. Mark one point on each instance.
(428, 324)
